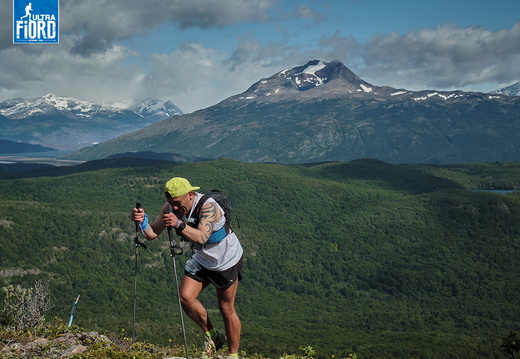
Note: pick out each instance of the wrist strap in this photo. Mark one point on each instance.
(144, 224)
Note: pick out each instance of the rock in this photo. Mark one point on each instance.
(74, 349)
(40, 342)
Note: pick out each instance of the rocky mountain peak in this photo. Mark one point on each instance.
(156, 108)
(314, 73)
(315, 79)
(317, 73)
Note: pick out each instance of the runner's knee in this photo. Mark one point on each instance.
(187, 298)
(226, 308)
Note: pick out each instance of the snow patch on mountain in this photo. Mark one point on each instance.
(443, 96)
(365, 88)
(511, 90)
(308, 76)
(156, 108)
(66, 103)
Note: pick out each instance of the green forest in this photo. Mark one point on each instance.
(382, 260)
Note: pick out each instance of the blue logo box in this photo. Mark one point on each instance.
(35, 21)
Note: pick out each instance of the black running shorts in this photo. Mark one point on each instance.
(221, 280)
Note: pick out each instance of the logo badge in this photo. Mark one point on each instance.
(35, 21)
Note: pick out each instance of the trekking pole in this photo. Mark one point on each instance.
(137, 244)
(176, 250)
(73, 311)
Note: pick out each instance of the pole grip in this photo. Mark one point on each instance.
(169, 227)
(175, 249)
(138, 206)
(136, 240)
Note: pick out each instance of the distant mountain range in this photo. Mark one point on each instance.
(324, 112)
(511, 90)
(65, 123)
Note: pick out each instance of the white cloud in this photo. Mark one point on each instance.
(100, 23)
(90, 62)
(196, 77)
(35, 70)
(445, 57)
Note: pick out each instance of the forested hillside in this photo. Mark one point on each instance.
(387, 261)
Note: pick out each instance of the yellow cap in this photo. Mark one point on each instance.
(178, 186)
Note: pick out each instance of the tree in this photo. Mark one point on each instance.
(511, 344)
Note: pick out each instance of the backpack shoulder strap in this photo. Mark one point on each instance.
(202, 201)
(198, 207)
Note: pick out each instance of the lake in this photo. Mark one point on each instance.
(501, 191)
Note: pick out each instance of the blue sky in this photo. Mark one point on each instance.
(199, 52)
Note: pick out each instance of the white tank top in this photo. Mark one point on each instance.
(222, 255)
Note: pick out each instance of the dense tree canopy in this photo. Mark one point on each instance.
(368, 257)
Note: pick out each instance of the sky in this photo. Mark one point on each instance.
(197, 53)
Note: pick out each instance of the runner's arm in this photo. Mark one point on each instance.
(153, 230)
(209, 216)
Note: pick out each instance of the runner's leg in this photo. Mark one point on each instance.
(226, 305)
(189, 291)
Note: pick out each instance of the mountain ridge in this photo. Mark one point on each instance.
(66, 123)
(511, 90)
(324, 112)
(18, 108)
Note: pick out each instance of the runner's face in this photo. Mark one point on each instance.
(181, 205)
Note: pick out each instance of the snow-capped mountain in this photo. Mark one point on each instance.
(66, 123)
(20, 108)
(153, 107)
(318, 80)
(324, 112)
(297, 83)
(511, 90)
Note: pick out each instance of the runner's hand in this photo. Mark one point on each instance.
(137, 215)
(170, 219)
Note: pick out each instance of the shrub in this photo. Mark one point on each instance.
(25, 307)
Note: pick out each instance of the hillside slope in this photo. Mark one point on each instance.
(383, 260)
